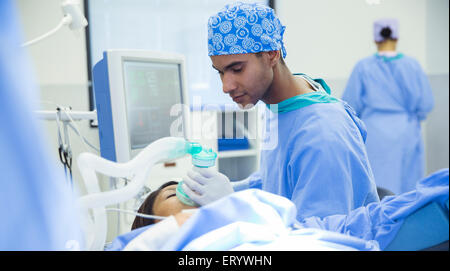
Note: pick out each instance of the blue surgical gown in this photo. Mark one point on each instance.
(392, 96)
(315, 156)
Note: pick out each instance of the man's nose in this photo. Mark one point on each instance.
(229, 84)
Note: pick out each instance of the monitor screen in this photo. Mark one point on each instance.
(151, 89)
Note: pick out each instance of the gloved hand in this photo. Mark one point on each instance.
(205, 185)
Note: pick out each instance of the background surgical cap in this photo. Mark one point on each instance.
(378, 25)
(242, 28)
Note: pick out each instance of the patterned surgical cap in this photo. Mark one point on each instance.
(242, 28)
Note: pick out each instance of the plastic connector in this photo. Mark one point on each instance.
(71, 8)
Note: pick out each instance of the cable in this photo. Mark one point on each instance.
(65, 154)
(84, 139)
(67, 19)
(64, 149)
(74, 127)
(137, 214)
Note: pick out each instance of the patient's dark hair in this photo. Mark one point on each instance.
(147, 208)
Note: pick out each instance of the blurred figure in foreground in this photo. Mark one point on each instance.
(36, 202)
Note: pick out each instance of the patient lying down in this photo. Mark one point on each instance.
(257, 220)
(162, 202)
(251, 219)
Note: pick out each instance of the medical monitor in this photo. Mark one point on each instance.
(139, 97)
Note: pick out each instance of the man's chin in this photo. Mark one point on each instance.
(245, 106)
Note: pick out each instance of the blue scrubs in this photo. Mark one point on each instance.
(392, 96)
(314, 155)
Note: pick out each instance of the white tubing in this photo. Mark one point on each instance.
(137, 214)
(65, 20)
(136, 170)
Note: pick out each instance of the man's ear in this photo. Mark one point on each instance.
(274, 57)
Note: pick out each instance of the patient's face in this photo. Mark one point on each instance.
(167, 203)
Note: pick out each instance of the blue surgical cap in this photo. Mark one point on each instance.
(380, 24)
(242, 28)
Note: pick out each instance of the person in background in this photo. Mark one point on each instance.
(391, 94)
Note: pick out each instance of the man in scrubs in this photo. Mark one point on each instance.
(391, 94)
(319, 160)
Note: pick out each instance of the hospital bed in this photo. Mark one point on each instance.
(410, 222)
(425, 229)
